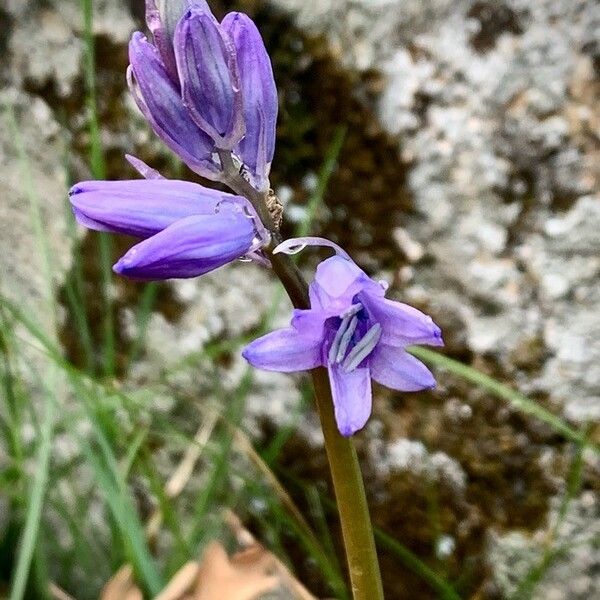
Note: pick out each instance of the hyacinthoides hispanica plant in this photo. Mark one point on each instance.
(207, 90)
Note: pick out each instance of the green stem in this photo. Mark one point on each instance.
(347, 480)
(357, 531)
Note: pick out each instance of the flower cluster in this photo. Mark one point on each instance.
(207, 90)
(206, 86)
(187, 229)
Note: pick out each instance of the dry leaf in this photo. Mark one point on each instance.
(122, 586)
(246, 576)
(182, 582)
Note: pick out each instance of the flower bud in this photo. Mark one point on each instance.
(259, 95)
(209, 77)
(159, 99)
(190, 247)
(162, 17)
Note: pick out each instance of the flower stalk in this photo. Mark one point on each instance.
(207, 89)
(357, 531)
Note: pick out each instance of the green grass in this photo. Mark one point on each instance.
(118, 438)
(36, 492)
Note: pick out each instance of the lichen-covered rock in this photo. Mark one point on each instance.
(35, 248)
(495, 105)
(572, 558)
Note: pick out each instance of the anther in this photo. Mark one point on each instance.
(333, 350)
(353, 310)
(345, 341)
(364, 347)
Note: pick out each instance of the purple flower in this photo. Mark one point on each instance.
(204, 86)
(354, 331)
(257, 147)
(162, 17)
(209, 77)
(158, 96)
(188, 229)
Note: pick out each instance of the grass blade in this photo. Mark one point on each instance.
(518, 400)
(98, 167)
(416, 565)
(37, 492)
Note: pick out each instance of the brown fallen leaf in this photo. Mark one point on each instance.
(122, 586)
(246, 576)
(181, 583)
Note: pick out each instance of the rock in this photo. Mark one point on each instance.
(33, 187)
(47, 48)
(492, 103)
(573, 574)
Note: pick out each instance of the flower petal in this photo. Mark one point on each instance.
(190, 247)
(141, 207)
(352, 398)
(309, 322)
(162, 17)
(146, 171)
(402, 324)
(209, 77)
(398, 370)
(284, 350)
(259, 95)
(159, 99)
(337, 281)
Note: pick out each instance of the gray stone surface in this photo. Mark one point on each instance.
(498, 128)
(32, 183)
(496, 108)
(572, 573)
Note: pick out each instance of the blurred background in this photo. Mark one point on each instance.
(453, 148)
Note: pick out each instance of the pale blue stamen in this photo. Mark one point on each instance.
(345, 341)
(333, 350)
(353, 310)
(364, 347)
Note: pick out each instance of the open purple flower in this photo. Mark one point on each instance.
(205, 86)
(353, 331)
(188, 229)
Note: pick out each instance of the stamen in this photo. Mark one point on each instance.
(345, 341)
(338, 338)
(353, 310)
(362, 349)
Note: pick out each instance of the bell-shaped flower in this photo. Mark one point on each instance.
(353, 331)
(188, 229)
(209, 77)
(259, 94)
(159, 99)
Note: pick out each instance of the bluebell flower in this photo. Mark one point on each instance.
(353, 331)
(206, 86)
(187, 229)
(256, 149)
